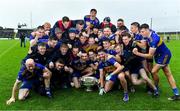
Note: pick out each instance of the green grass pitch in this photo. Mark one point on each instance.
(68, 99)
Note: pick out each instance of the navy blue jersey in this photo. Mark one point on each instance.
(93, 62)
(112, 39)
(69, 41)
(25, 75)
(58, 55)
(94, 23)
(57, 46)
(49, 50)
(31, 37)
(128, 54)
(155, 41)
(138, 37)
(73, 58)
(37, 57)
(79, 44)
(110, 51)
(108, 65)
(130, 61)
(45, 37)
(100, 41)
(42, 40)
(78, 65)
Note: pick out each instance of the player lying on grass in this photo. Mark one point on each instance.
(30, 75)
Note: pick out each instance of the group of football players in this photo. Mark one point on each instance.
(59, 57)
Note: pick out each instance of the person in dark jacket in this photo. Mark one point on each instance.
(22, 37)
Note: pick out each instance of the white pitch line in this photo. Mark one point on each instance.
(8, 49)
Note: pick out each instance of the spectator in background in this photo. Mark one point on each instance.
(22, 37)
(168, 39)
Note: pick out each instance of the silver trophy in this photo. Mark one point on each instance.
(89, 82)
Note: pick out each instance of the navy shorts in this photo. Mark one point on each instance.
(96, 75)
(30, 83)
(163, 59)
(135, 70)
(135, 66)
(76, 74)
(114, 78)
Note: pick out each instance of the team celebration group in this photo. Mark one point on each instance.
(117, 57)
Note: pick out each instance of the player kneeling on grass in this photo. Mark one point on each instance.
(60, 75)
(108, 65)
(81, 68)
(30, 76)
(162, 56)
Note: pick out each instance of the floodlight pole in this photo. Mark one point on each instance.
(151, 24)
(31, 19)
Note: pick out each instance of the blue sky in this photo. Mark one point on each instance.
(165, 14)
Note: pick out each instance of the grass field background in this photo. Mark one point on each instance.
(67, 99)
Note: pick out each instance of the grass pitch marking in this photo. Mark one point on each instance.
(8, 49)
